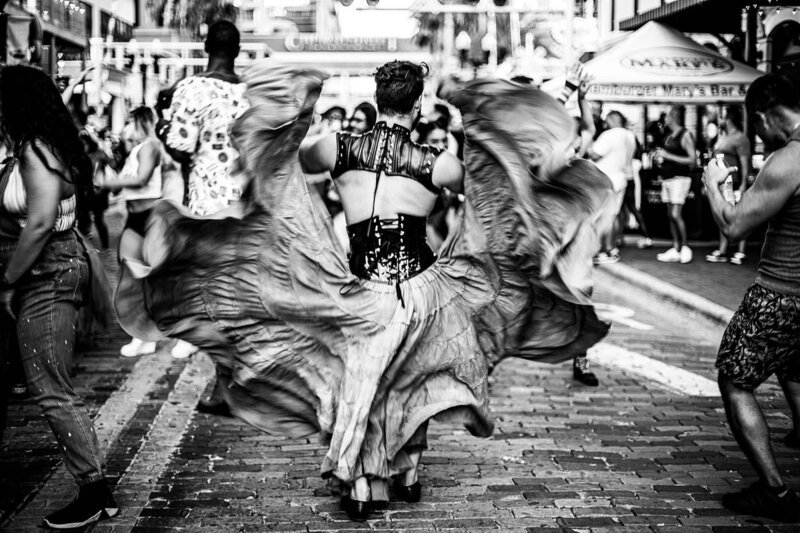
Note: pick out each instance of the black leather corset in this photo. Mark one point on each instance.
(388, 150)
(389, 250)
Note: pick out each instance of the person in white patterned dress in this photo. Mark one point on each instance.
(203, 108)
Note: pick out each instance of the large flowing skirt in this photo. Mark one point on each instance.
(305, 347)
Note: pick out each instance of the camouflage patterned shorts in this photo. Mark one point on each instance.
(763, 338)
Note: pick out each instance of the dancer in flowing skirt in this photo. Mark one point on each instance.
(366, 353)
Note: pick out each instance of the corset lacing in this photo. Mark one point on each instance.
(389, 250)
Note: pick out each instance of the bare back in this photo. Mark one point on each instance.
(409, 176)
(394, 196)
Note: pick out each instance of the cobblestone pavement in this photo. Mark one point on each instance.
(629, 456)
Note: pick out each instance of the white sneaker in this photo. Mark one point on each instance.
(738, 258)
(182, 349)
(670, 256)
(137, 347)
(686, 255)
(644, 242)
(604, 258)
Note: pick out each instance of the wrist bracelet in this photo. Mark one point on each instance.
(570, 85)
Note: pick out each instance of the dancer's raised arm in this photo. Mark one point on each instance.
(318, 153)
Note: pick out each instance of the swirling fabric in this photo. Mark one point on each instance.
(306, 347)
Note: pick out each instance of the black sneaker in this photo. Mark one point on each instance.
(581, 372)
(210, 406)
(94, 502)
(760, 500)
(409, 494)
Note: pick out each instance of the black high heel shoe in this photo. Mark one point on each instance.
(356, 511)
(409, 494)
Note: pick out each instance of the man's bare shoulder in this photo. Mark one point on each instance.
(784, 164)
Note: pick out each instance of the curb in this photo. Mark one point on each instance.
(682, 297)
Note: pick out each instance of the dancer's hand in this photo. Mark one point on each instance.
(584, 79)
(6, 302)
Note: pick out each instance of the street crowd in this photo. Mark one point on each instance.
(421, 308)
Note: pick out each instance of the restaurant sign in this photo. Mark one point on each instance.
(675, 92)
(676, 61)
(298, 42)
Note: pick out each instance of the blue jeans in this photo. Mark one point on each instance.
(47, 301)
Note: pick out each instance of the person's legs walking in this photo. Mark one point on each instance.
(750, 429)
(760, 340)
(720, 255)
(6, 331)
(680, 226)
(630, 206)
(46, 333)
(739, 257)
(723, 244)
(768, 496)
(48, 309)
(673, 193)
(98, 214)
(674, 232)
(407, 485)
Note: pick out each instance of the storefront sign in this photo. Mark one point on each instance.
(668, 91)
(676, 61)
(312, 43)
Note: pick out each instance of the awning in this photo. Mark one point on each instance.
(700, 16)
(659, 64)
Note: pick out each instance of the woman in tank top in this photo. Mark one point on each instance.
(44, 186)
(140, 186)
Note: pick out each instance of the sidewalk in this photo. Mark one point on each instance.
(714, 289)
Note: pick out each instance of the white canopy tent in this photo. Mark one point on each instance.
(658, 64)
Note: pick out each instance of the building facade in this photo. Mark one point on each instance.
(69, 24)
(763, 33)
(287, 16)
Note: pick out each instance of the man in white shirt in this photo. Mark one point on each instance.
(613, 152)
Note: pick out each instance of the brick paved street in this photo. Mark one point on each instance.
(629, 456)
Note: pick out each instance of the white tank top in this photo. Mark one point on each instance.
(15, 202)
(150, 190)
